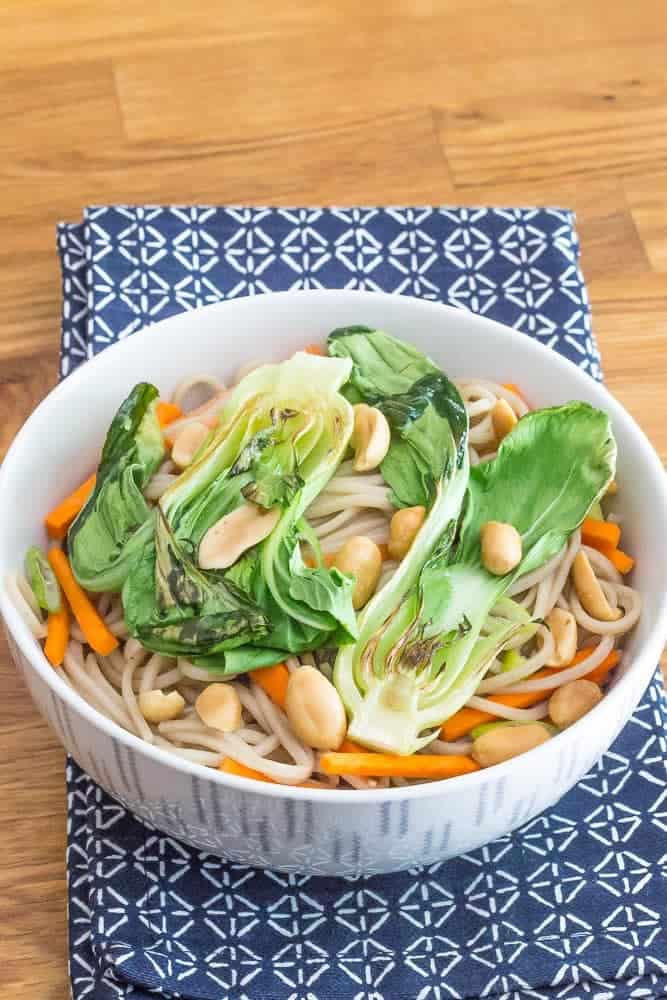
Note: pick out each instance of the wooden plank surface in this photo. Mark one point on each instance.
(483, 102)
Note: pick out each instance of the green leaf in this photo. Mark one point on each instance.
(42, 580)
(511, 659)
(326, 590)
(282, 434)
(554, 465)
(241, 660)
(173, 607)
(423, 408)
(419, 659)
(271, 459)
(111, 529)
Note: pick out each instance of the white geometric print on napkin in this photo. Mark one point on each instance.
(570, 907)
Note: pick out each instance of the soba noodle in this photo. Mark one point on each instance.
(352, 504)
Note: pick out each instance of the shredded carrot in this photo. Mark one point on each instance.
(57, 635)
(605, 536)
(593, 532)
(465, 719)
(621, 560)
(511, 387)
(597, 674)
(379, 765)
(347, 746)
(315, 349)
(274, 681)
(59, 519)
(167, 412)
(468, 718)
(600, 673)
(230, 766)
(93, 627)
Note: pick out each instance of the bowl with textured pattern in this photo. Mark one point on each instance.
(300, 829)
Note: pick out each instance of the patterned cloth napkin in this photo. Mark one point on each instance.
(570, 906)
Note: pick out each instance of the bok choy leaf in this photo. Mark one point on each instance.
(420, 657)
(281, 436)
(427, 462)
(175, 608)
(115, 522)
(423, 409)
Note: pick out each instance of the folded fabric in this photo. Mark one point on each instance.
(570, 906)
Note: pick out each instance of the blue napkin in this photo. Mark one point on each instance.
(570, 906)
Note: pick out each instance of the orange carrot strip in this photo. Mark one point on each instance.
(578, 657)
(593, 532)
(167, 412)
(621, 560)
(379, 765)
(273, 680)
(347, 746)
(465, 719)
(315, 349)
(230, 766)
(57, 636)
(597, 674)
(93, 627)
(513, 387)
(59, 519)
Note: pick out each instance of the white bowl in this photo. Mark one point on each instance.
(297, 829)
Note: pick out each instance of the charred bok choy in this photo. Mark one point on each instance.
(282, 434)
(421, 653)
(427, 461)
(115, 522)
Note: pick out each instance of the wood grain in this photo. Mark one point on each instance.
(560, 102)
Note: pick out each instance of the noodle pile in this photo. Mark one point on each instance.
(352, 504)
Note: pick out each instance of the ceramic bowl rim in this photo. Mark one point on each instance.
(645, 659)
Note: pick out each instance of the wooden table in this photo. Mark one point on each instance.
(460, 102)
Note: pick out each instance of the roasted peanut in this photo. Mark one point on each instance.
(156, 706)
(219, 707)
(315, 710)
(362, 558)
(234, 533)
(589, 591)
(403, 529)
(503, 418)
(371, 437)
(188, 442)
(505, 742)
(572, 701)
(563, 627)
(501, 547)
